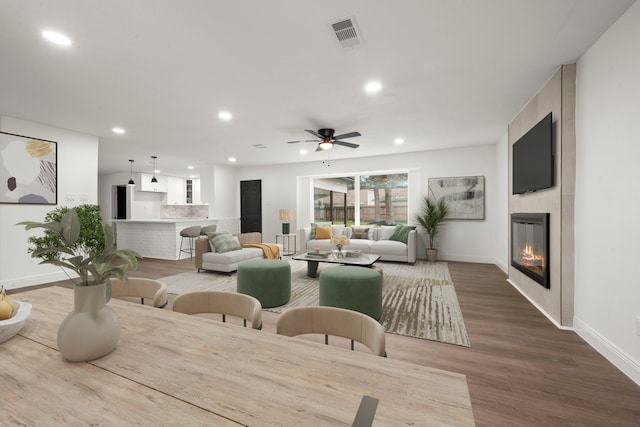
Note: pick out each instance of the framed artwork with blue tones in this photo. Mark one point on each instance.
(28, 170)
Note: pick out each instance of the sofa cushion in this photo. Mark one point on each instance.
(324, 233)
(224, 242)
(401, 233)
(232, 257)
(386, 231)
(314, 225)
(360, 232)
(389, 248)
(339, 229)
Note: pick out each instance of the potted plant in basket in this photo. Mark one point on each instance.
(77, 239)
(431, 219)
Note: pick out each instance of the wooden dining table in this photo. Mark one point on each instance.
(174, 369)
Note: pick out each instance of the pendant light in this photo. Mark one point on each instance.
(154, 179)
(131, 182)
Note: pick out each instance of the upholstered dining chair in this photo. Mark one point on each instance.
(140, 288)
(190, 233)
(226, 303)
(334, 321)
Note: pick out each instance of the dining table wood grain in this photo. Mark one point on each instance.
(175, 369)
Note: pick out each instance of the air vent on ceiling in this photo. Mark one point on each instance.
(347, 32)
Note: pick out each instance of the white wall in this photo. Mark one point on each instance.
(220, 189)
(287, 186)
(607, 292)
(77, 184)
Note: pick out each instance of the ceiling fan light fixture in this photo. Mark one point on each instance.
(326, 145)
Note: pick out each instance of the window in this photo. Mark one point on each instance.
(333, 200)
(381, 199)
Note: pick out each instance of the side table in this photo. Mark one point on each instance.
(287, 249)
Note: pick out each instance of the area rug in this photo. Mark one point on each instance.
(418, 300)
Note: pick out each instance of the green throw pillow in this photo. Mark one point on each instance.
(401, 233)
(224, 242)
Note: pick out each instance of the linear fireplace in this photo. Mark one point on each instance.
(529, 245)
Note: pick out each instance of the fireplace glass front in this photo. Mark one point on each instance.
(529, 245)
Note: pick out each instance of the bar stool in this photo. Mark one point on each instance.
(208, 229)
(190, 233)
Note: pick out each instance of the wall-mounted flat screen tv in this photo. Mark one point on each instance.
(533, 162)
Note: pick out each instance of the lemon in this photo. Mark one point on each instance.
(6, 305)
(6, 309)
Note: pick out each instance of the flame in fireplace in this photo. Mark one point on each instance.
(530, 258)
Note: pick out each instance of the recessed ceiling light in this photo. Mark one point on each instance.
(189, 167)
(232, 159)
(225, 115)
(118, 130)
(373, 87)
(56, 38)
(398, 141)
(192, 176)
(157, 171)
(303, 151)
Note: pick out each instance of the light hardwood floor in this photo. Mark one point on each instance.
(521, 370)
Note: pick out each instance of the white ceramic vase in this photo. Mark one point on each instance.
(92, 329)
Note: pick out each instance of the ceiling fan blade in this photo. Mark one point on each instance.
(319, 148)
(347, 135)
(346, 144)
(302, 140)
(314, 133)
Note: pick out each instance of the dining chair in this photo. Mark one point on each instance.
(141, 288)
(334, 321)
(243, 306)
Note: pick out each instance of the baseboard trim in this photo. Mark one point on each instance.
(39, 279)
(614, 354)
(541, 310)
(464, 258)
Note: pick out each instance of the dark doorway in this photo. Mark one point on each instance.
(251, 206)
(121, 202)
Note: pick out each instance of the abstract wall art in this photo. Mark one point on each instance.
(28, 170)
(464, 195)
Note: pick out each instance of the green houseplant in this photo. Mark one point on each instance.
(431, 219)
(77, 239)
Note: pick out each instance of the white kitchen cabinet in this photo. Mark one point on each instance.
(144, 183)
(192, 191)
(175, 191)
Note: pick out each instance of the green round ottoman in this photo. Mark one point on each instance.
(267, 280)
(353, 288)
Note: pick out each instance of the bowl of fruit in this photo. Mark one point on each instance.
(13, 316)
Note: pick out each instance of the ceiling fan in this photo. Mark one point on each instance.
(328, 140)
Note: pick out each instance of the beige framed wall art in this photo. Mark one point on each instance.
(28, 170)
(464, 195)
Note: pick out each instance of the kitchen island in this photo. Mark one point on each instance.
(155, 238)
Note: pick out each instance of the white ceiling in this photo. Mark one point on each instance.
(454, 73)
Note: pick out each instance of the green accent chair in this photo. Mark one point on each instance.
(267, 280)
(353, 288)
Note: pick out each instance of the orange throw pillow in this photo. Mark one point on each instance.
(323, 233)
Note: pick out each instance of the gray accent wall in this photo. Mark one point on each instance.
(558, 96)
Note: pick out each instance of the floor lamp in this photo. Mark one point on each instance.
(286, 215)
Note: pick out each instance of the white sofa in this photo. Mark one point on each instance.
(377, 243)
(227, 262)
